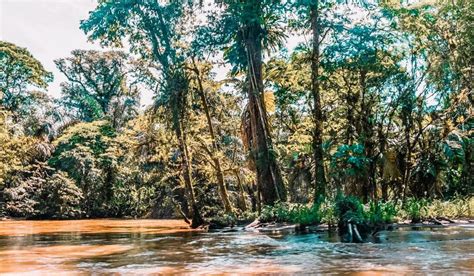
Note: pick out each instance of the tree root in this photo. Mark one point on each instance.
(180, 211)
(197, 220)
(349, 228)
(357, 235)
(353, 233)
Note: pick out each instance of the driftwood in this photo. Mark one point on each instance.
(256, 223)
(435, 221)
(446, 219)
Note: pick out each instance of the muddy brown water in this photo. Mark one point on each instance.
(86, 247)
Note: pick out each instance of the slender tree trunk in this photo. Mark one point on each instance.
(367, 125)
(178, 85)
(350, 123)
(197, 220)
(259, 200)
(222, 187)
(382, 144)
(217, 164)
(243, 204)
(319, 174)
(352, 101)
(407, 122)
(406, 175)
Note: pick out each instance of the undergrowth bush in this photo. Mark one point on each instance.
(350, 208)
(54, 196)
(328, 213)
(293, 213)
(379, 212)
(415, 209)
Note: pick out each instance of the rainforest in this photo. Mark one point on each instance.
(278, 133)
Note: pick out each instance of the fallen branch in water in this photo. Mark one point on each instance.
(435, 221)
(446, 219)
(256, 223)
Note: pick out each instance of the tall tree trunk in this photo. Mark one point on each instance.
(197, 220)
(407, 122)
(406, 173)
(269, 177)
(178, 85)
(217, 164)
(382, 141)
(367, 127)
(319, 174)
(352, 100)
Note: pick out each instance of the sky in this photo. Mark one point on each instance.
(49, 29)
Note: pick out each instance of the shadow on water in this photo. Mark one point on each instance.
(129, 250)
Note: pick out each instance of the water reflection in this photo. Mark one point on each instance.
(25, 227)
(55, 258)
(151, 247)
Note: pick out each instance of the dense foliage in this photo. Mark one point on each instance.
(368, 118)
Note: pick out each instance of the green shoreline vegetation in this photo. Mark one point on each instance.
(366, 122)
(375, 213)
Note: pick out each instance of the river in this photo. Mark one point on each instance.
(85, 247)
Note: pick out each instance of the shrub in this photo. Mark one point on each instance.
(54, 196)
(61, 197)
(21, 199)
(129, 199)
(381, 212)
(278, 213)
(455, 208)
(328, 212)
(306, 215)
(416, 209)
(292, 213)
(349, 209)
